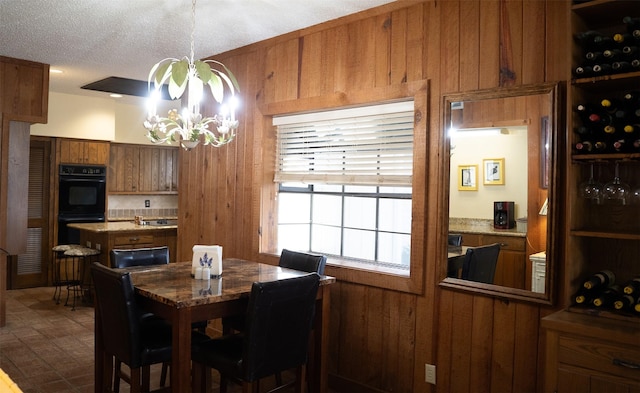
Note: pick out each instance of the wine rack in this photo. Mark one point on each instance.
(589, 348)
(603, 234)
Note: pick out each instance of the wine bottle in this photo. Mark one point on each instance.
(632, 23)
(624, 302)
(630, 129)
(632, 287)
(607, 296)
(601, 69)
(584, 296)
(630, 50)
(584, 147)
(586, 39)
(622, 39)
(603, 278)
(593, 57)
(619, 145)
(612, 54)
(621, 66)
(610, 105)
(583, 71)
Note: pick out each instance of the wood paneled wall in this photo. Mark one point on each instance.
(381, 339)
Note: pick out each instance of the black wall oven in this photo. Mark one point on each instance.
(81, 198)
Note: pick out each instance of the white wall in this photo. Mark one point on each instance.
(469, 149)
(87, 117)
(73, 116)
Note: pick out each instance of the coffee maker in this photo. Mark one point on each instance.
(504, 215)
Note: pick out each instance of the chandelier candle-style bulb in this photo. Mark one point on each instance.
(190, 126)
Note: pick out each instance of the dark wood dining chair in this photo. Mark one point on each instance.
(128, 334)
(276, 336)
(304, 262)
(140, 257)
(149, 256)
(480, 263)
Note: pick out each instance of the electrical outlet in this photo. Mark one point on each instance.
(98, 246)
(88, 244)
(430, 373)
(147, 203)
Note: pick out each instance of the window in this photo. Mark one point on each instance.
(345, 184)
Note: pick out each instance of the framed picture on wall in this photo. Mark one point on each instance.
(467, 177)
(493, 169)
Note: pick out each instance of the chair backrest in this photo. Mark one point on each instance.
(115, 298)
(455, 239)
(278, 322)
(480, 263)
(140, 257)
(310, 263)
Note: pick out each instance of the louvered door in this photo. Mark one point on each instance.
(30, 269)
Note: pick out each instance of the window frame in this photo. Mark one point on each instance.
(341, 268)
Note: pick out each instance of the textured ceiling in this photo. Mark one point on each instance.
(93, 39)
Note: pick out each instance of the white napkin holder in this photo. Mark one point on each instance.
(206, 257)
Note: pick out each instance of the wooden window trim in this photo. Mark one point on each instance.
(419, 91)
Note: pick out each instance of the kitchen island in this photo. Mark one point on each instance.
(105, 236)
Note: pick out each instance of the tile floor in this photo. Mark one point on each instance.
(47, 348)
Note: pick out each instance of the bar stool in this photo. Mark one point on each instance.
(78, 278)
(58, 260)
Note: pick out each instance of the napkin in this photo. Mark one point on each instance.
(207, 257)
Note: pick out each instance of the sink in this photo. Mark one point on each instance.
(160, 223)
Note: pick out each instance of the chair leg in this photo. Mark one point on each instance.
(116, 376)
(134, 380)
(163, 374)
(146, 378)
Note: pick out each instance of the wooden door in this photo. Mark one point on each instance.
(30, 269)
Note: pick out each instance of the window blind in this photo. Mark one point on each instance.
(370, 145)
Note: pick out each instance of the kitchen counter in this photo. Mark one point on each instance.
(479, 226)
(119, 226)
(106, 236)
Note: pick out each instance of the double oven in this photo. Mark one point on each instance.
(81, 198)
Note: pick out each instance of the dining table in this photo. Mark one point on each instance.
(170, 291)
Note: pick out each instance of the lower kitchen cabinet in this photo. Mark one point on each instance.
(108, 240)
(586, 353)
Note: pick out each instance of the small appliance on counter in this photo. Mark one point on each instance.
(504, 215)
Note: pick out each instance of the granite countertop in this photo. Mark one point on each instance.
(480, 226)
(119, 226)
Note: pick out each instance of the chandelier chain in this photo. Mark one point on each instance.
(193, 28)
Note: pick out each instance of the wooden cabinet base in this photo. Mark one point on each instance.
(587, 353)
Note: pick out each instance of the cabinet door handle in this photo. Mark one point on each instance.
(627, 364)
(503, 244)
(133, 239)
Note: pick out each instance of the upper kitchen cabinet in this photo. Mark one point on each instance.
(73, 151)
(135, 169)
(24, 90)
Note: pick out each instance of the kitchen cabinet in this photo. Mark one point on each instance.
(511, 268)
(24, 90)
(135, 169)
(71, 151)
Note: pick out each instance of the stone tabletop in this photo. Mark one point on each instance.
(173, 284)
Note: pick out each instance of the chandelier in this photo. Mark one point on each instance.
(189, 126)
